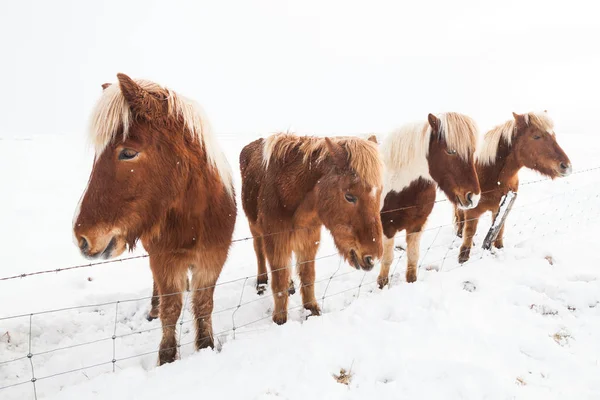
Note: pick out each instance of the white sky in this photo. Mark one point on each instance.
(325, 67)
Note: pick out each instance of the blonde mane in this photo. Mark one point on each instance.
(486, 154)
(405, 150)
(363, 156)
(411, 141)
(112, 115)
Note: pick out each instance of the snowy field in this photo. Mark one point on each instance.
(517, 323)
(521, 323)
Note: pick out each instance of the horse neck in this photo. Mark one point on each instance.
(297, 180)
(399, 178)
(203, 196)
(503, 172)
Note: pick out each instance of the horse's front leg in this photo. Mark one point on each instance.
(459, 221)
(279, 252)
(388, 257)
(154, 302)
(306, 246)
(170, 280)
(413, 241)
(205, 272)
(471, 221)
(499, 242)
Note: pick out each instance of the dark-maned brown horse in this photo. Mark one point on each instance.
(293, 185)
(528, 141)
(159, 177)
(418, 158)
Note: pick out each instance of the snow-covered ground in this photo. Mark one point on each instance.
(522, 322)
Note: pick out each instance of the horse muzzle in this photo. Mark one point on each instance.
(366, 263)
(468, 201)
(564, 169)
(103, 247)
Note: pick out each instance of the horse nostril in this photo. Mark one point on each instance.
(563, 166)
(368, 261)
(469, 197)
(83, 244)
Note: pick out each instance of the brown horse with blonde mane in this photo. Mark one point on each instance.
(159, 177)
(291, 187)
(528, 141)
(419, 158)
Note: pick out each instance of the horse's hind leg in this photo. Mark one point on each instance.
(413, 241)
(459, 221)
(170, 280)
(204, 278)
(386, 262)
(306, 250)
(154, 302)
(262, 277)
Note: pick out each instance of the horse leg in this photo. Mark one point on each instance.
(499, 242)
(170, 280)
(471, 221)
(154, 302)
(262, 276)
(413, 241)
(278, 249)
(306, 251)
(204, 277)
(386, 262)
(459, 221)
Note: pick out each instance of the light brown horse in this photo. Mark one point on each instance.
(419, 158)
(159, 177)
(528, 141)
(291, 186)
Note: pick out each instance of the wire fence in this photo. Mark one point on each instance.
(126, 336)
(247, 238)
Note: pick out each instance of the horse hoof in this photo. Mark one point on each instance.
(382, 281)
(280, 319)
(314, 309)
(261, 288)
(292, 288)
(151, 316)
(411, 277)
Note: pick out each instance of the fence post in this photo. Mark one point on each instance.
(505, 206)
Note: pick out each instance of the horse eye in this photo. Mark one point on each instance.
(451, 152)
(536, 137)
(127, 154)
(350, 198)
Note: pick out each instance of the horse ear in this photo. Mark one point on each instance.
(520, 119)
(434, 122)
(373, 139)
(141, 102)
(337, 152)
(105, 85)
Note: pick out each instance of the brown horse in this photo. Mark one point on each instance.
(418, 158)
(291, 186)
(159, 177)
(527, 141)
